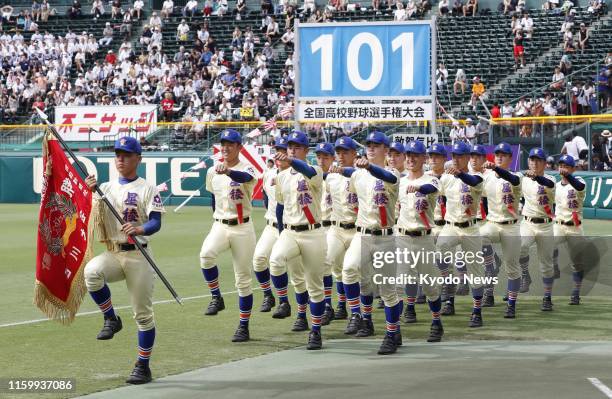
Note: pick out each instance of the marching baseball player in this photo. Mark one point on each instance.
(231, 184)
(396, 158)
(569, 198)
(462, 191)
(418, 193)
(269, 235)
(141, 206)
(344, 214)
(325, 154)
(503, 191)
(537, 226)
(298, 194)
(376, 189)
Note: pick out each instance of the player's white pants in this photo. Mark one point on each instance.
(542, 235)
(573, 237)
(131, 266)
(509, 236)
(358, 266)
(311, 247)
(240, 239)
(338, 241)
(263, 249)
(471, 243)
(425, 265)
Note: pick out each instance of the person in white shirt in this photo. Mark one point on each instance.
(190, 8)
(411, 9)
(167, 9)
(527, 25)
(441, 76)
(460, 81)
(138, 5)
(155, 21)
(400, 13)
(182, 31)
(457, 133)
(470, 131)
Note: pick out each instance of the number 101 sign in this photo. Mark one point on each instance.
(364, 60)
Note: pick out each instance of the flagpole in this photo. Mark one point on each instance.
(178, 208)
(55, 133)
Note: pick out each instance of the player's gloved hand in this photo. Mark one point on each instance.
(488, 165)
(132, 230)
(362, 163)
(412, 189)
(451, 170)
(335, 169)
(91, 182)
(221, 169)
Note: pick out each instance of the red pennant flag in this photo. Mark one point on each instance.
(63, 238)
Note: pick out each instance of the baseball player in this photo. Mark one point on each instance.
(396, 158)
(418, 193)
(539, 195)
(503, 191)
(141, 206)
(344, 214)
(462, 191)
(231, 185)
(376, 189)
(269, 235)
(298, 194)
(325, 154)
(569, 198)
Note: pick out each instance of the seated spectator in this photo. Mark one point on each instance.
(126, 24)
(155, 21)
(222, 8)
(7, 13)
(423, 6)
(527, 25)
(457, 8)
(470, 8)
(583, 38)
(310, 7)
(441, 76)
(287, 39)
(558, 80)
(116, 9)
(506, 7)
(478, 90)
(551, 5)
(190, 9)
(97, 9)
(266, 7)
(495, 111)
(457, 133)
(137, 7)
(460, 81)
(596, 7)
(515, 25)
(567, 6)
(400, 13)
(167, 9)
(45, 10)
(411, 9)
(107, 39)
(241, 9)
(182, 32)
(272, 30)
(111, 58)
(35, 10)
(167, 105)
(443, 8)
(565, 66)
(289, 17)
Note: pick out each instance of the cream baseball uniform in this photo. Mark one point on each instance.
(438, 216)
(417, 214)
(270, 234)
(230, 198)
(301, 198)
(539, 201)
(344, 213)
(502, 221)
(134, 201)
(376, 203)
(462, 203)
(569, 203)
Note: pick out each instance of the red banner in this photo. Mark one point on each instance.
(62, 247)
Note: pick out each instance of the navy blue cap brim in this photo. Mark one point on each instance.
(296, 142)
(231, 141)
(416, 152)
(344, 147)
(123, 149)
(537, 157)
(503, 152)
(324, 152)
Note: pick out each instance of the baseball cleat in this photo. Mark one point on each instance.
(300, 324)
(353, 324)
(475, 320)
(547, 305)
(510, 312)
(388, 346)
(328, 316)
(268, 303)
(366, 328)
(381, 304)
(448, 309)
(241, 334)
(314, 341)
(435, 333)
(340, 313)
(525, 282)
(409, 315)
(215, 306)
(574, 300)
(140, 375)
(488, 301)
(421, 299)
(282, 311)
(505, 298)
(111, 327)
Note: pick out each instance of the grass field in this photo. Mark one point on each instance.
(187, 340)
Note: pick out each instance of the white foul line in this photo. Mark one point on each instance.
(601, 386)
(21, 323)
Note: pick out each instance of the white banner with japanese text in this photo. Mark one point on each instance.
(408, 111)
(74, 123)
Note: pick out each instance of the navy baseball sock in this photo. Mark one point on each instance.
(367, 301)
(302, 301)
(435, 307)
(328, 284)
(352, 296)
(212, 278)
(245, 303)
(399, 308)
(280, 283)
(548, 285)
(102, 297)
(263, 277)
(577, 277)
(390, 313)
(316, 313)
(341, 294)
(477, 299)
(145, 345)
(513, 288)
